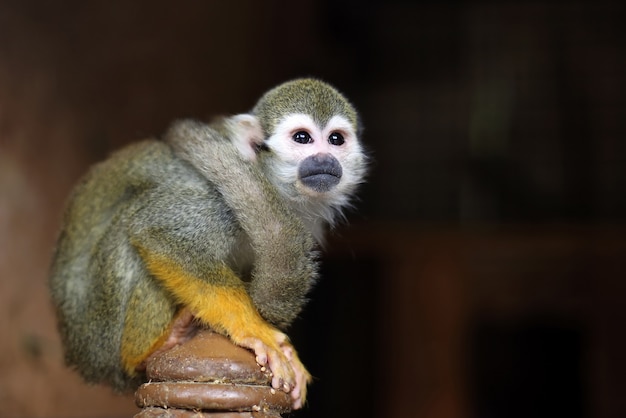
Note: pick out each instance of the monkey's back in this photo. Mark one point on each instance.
(97, 273)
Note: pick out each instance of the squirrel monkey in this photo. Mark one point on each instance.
(216, 225)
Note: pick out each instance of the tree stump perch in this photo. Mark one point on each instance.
(210, 377)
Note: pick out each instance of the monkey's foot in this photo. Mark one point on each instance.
(288, 373)
(181, 329)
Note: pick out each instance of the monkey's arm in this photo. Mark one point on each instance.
(227, 308)
(285, 264)
(220, 301)
(182, 241)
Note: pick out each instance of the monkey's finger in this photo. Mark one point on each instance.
(281, 338)
(283, 373)
(260, 350)
(279, 383)
(261, 359)
(288, 351)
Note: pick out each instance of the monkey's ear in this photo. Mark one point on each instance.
(247, 135)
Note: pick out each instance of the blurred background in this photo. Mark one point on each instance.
(482, 274)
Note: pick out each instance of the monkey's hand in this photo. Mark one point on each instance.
(272, 348)
(288, 373)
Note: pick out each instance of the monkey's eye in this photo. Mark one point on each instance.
(302, 137)
(336, 139)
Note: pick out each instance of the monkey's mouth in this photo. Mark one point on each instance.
(320, 172)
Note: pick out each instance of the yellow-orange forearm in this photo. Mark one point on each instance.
(226, 307)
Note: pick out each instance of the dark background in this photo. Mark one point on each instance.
(482, 274)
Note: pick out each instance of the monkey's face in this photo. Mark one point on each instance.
(323, 162)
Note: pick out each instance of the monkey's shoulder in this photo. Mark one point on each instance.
(145, 165)
(144, 176)
(150, 161)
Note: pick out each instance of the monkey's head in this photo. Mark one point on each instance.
(314, 156)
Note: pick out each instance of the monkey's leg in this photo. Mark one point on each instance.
(227, 308)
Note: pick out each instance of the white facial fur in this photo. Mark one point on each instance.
(287, 155)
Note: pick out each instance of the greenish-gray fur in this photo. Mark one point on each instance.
(283, 250)
(195, 200)
(306, 96)
(143, 194)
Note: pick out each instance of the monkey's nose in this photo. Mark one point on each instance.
(320, 172)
